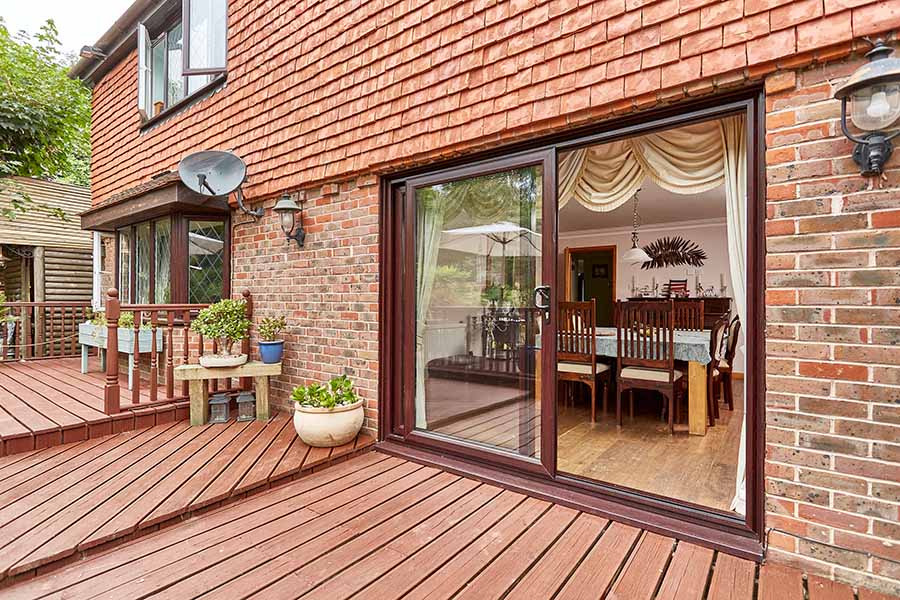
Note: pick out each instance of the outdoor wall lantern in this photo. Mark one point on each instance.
(291, 218)
(873, 93)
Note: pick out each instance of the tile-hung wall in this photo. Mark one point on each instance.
(833, 330)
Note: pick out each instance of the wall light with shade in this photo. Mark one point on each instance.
(873, 95)
(291, 215)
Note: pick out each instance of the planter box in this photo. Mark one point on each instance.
(95, 336)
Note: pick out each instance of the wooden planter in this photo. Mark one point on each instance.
(94, 336)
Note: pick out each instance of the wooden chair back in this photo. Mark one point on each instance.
(645, 333)
(675, 288)
(576, 332)
(689, 315)
(717, 335)
(734, 332)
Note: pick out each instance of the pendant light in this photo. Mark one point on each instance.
(635, 256)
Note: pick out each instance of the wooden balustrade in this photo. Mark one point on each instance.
(32, 330)
(154, 318)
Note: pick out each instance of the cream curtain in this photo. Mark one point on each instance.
(429, 225)
(734, 143)
(687, 160)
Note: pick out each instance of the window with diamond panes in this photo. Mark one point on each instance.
(206, 261)
(162, 245)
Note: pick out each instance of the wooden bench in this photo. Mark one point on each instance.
(196, 375)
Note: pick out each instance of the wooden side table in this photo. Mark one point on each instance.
(195, 375)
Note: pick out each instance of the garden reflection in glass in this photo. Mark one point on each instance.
(478, 259)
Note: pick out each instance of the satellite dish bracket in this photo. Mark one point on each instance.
(255, 213)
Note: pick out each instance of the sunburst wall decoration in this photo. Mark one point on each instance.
(673, 251)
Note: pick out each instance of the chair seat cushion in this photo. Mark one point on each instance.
(649, 374)
(580, 368)
(723, 363)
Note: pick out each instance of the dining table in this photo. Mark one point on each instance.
(691, 347)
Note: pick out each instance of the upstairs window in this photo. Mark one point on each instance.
(181, 58)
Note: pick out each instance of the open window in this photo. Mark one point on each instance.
(180, 55)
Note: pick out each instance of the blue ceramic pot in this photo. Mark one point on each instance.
(271, 352)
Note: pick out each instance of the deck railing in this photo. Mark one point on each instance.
(33, 330)
(179, 345)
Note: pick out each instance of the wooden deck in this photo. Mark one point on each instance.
(58, 503)
(45, 403)
(381, 527)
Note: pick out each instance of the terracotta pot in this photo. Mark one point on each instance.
(327, 428)
(212, 361)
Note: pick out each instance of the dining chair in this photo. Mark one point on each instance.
(726, 363)
(576, 352)
(645, 341)
(689, 315)
(713, 375)
(675, 288)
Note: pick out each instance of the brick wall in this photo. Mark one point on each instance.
(833, 362)
(328, 291)
(322, 89)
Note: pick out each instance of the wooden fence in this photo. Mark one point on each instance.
(33, 330)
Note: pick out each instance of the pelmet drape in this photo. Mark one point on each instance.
(734, 144)
(687, 160)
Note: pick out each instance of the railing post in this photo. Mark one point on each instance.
(247, 382)
(111, 398)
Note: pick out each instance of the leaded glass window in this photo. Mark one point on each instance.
(162, 246)
(125, 264)
(206, 261)
(142, 264)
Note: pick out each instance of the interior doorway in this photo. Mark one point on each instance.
(591, 273)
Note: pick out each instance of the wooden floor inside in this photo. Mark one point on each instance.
(58, 503)
(381, 527)
(49, 402)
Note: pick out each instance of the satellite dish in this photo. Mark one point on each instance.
(212, 172)
(215, 173)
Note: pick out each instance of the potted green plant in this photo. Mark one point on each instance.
(271, 348)
(93, 333)
(329, 415)
(226, 322)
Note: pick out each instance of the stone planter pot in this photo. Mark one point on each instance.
(213, 361)
(327, 428)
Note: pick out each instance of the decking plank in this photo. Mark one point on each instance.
(599, 568)
(644, 569)
(454, 574)
(19, 403)
(292, 461)
(171, 545)
(259, 474)
(548, 575)
(777, 582)
(687, 574)
(429, 532)
(498, 577)
(9, 425)
(307, 576)
(60, 393)
(399, 580)
(732, 578)
(210, 568)
(825, 589)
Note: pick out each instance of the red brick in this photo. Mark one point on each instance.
(834, 370)
(886, 219)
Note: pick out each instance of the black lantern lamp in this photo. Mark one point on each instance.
(246, 406)
(291, 219)
(218, 408)
(873, 93)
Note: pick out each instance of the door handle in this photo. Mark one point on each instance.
(542, 299)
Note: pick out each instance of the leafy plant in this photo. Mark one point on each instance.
(673, 251)
(226, 321)
(270, 327)
(44, 116)
(5, 317)
(126, 320)
(338, 392)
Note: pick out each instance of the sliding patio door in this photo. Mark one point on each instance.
(479, 301)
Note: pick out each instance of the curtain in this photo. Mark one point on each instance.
(734, 144)
(429, 225)
(687, 160)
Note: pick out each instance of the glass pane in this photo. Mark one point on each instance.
(142, 264)
(176, 81)
(158, 77)
(125, 265)
(206, 260)
(195, 82)
(478, 260)
(162, 247)
(208, 19)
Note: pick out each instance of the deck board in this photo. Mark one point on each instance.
(50, 402)
(381, 527)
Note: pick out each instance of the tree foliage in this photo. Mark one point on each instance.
(45, 117)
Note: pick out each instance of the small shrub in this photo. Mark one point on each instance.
(225, 321)
(270, 327)
(338, 392)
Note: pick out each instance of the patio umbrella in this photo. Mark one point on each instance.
(493, 239)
